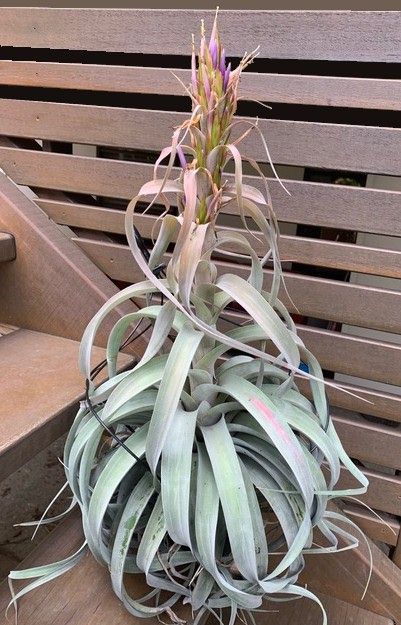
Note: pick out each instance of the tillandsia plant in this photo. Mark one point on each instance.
(204, 460)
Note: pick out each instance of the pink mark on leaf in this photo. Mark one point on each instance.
(272, 419)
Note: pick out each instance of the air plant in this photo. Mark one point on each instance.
(203, 460)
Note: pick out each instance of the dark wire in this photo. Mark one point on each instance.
(108, 430)
(131, 338)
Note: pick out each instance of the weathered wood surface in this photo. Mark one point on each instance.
(344, 576)
(39, 394)
(330, 35)
(365, 400)
(329, 205)
(369, 441)
(82, 596)
(346, 147)
(316, 252)
(385, 529)
(304, 612)
(364, 306)
(51, 286)
(370, 93)
(7, 247)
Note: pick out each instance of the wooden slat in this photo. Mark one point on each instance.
(296, 249)
(335, 206)
(375, 528)
(308, 613)
(7, 247)
(40, 389)
(384, 492)
(344, 575)
(326, 299)
(367, 441)
(51, 286)
(365, 36)
(353, 355)
(364, 400)
(327, 205)
(360, 148)
(345, 353)
(370, 93)
(66, 599)
(83, 595)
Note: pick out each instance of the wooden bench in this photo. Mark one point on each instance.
(81, 154)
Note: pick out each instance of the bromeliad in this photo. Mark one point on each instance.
(201, 461)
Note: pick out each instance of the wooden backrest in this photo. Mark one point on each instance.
(101, 78)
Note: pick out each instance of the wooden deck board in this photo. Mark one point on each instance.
(41, 386)
(84, 595)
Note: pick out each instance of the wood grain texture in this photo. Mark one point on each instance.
(344, 353)
(82, 596)
(385, 529)
(369, 441)
(312, 144)
(51, 286)
(325, 299)
(308, 251)
(353, 355)
(384, 492)
(308, 613)
(370, 93)
(329, 205)
(344, 576)
(7, 247)
(67, 599)
(40, 390)
(331, 35)
(364, 400)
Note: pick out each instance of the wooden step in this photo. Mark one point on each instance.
(7, 247)
(39, 393)
(305, 612)
(84, 596)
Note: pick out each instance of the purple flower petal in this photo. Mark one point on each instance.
(223, 63)
(181, 157)
(226, 76)
(213, 52)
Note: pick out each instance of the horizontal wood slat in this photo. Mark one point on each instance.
(368, 441)
(386, 531)
(335, 206)
(370, 93)
(326, 299)
(360, 148)
(364, 400)
(353, 355)
(384, 492)
(297, 249)
(331, 35)
(345, 353)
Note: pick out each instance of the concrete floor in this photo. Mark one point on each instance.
(24, 496)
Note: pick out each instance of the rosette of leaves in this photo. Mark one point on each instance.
(203, 466)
